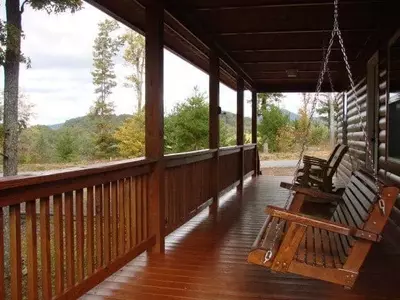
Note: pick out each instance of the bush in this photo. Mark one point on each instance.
(319, 133)
(286, 139)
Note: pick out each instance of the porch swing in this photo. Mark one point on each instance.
(330, 250)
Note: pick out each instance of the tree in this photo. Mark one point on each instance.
(272, 120)
(130, 136)
(134, 56)
(186, 128)
(65, 146)
(104, 50)
(266, 99)
(10, 58)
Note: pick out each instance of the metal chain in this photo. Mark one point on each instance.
(305, 138)
(335, 31)
(358, 106)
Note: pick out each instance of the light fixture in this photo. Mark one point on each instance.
(292, 73)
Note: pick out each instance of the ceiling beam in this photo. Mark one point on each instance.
(195, 26)
(283, 50)
(292, 62)
(301, 31)
(282, 5)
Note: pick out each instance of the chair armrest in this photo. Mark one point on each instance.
(314, 193)
(278, 212)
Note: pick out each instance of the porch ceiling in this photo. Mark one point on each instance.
(261, 40)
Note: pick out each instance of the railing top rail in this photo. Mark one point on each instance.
(189, 154)
(72, 173)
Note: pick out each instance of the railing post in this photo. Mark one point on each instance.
(154, 115)
(214, 128)
(254, 130)
(239, 128)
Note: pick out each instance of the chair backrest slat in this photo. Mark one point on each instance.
(335, 159)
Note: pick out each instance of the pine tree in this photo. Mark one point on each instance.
(105, 48)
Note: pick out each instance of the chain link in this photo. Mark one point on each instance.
(324, 69)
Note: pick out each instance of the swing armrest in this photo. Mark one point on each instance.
(320, 223)
(307, 158)
(317, 194)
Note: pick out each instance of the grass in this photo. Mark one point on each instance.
(322, 152)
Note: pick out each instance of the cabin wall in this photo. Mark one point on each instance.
(350, 133)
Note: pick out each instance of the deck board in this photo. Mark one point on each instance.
(207, 259)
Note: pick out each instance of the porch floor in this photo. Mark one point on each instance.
(207, 259)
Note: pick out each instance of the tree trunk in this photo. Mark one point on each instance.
(11, 85)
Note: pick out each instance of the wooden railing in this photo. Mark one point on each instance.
(250, 160)
(229, 159)
(187, 186)
(65, 232)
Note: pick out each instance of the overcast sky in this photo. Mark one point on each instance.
(59, 84)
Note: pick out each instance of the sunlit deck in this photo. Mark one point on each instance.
(207, 259)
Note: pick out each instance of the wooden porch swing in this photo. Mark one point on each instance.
(331, 250)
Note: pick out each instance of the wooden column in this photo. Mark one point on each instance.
(239, 127)
(214, 127)
(154, 110)
(254, 129)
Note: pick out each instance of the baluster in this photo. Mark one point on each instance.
(31, 237)
(127, 199)
(133, 211)
(145, 212)
(90, 230)
(107, 240)
(80, 236)
(1, 255)
(58, 244)
(121, 230)
(99, 226)
(139, 208)
(15, 252)
(45, 247)
(69, 238)
(114, 221)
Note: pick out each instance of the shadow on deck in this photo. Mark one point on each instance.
(207, 259)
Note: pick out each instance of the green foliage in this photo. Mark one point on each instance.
(37, 145)
(266, 99)
(130, 136)
(319, 133)
(104, 50)
(55, 6)
(186, 128)
(134, 56)
(286, 139)
(66, 146)
(272, 120)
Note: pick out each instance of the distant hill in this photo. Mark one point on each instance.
(230, 119)
(86, 122)
(292, 116)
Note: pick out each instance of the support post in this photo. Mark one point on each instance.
(214, 128)
(239, 128)
(154, 116)
(254, 130)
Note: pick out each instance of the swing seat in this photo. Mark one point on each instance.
(330, 250)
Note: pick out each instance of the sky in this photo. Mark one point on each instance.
(59, 84)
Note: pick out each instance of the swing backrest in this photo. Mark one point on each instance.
(359, 208)
(336, 158)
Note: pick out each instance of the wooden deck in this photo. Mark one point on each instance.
(207, 259)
